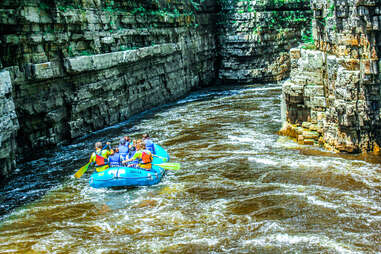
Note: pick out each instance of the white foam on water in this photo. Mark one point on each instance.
(356, 200)
(274, 88)
(265, 161)
(248, 152)
(106, 227)
(53, 242)
(270, 226)
(242, 139)
(209, 222)
(284, 240)
(315, 201)
(207, 241)
(175, 217)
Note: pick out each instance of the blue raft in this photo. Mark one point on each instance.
(130, 177)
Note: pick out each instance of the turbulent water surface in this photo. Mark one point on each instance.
(241, 189)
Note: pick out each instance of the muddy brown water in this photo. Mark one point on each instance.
(241, 189)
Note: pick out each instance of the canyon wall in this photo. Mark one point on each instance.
(254, 38)
(333, 95)
(69, 67)
(8, 125)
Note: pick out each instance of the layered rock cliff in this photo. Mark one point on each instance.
(69, 67)
(76, 66)
(8, 124)
(333, 95)
(254, 38)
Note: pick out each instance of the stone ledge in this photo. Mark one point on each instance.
(104, 61)
(46, 70)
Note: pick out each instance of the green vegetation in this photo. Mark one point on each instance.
(307, 36)
(277, 21)
(229, 4)
(124, 48)
(85, 53)
(70, 51)
(331, 9)
(43, 6)
(309, 46)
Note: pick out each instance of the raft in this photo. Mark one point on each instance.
(131, 177)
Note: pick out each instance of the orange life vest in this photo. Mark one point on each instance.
(99, 159)
(146, 157)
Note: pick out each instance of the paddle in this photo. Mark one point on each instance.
(82, 170)
(169, 166)
(164, 159)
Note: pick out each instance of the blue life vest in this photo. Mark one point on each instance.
(132, 152)
(114, 160)
(123, 151)
(150, 146)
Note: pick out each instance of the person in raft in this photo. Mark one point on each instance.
(123, 149)
(128, 140)
(115, 158)
(144, 157)
(132, 149)
(135, 147)
(99, 158)
(149, 144)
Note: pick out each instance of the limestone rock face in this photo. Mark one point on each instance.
(8, 125)
(254, 38)
(336, 87)
(78, 66)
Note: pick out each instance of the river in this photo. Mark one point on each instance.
(241, 189)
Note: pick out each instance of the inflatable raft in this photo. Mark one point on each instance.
(130, 177)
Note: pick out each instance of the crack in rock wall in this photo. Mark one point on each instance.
(254, 38)
(333, 95)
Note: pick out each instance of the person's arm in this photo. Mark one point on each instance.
(109, 152)
(136, 155)
(107, 146)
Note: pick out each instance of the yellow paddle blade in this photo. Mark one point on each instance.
(82, 170)
(169, 166)
(163, 158)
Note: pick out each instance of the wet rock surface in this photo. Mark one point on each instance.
(255, 37)
(8, 125)
(335, 88)
(79, 66)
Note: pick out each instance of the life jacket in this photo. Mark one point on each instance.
(123, 152)
(146, 157)
(131, 152)
(114, 160)
(100, 160)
